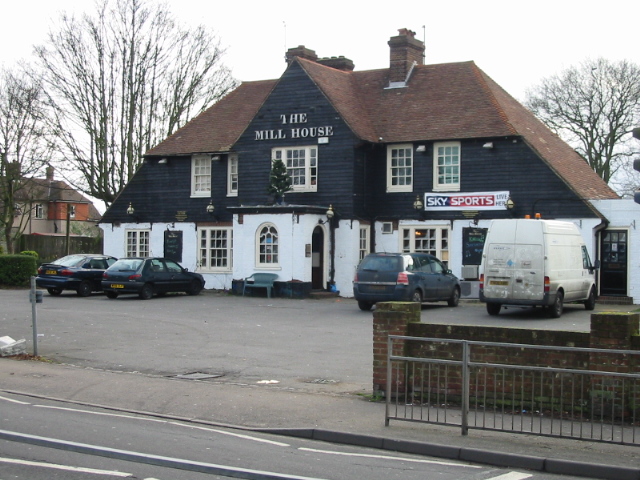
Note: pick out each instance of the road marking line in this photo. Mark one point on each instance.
(512, 476)
(231, 434)
(77, 410)
(387, 457)
(68, 468)
(14, 401)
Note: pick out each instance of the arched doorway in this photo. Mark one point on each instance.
(317, 259)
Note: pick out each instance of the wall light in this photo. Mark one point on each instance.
(330, 213)
(488, 145)
(417, 203)
(130, 209)
(162, 161)
(211, 208)
(510, 204)
(421, 148)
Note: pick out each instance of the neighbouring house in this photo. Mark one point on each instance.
(410, 157)
(52, 207)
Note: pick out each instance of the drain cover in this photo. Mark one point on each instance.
(199, 376)
(323, 381)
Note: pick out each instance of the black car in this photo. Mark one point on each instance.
(149, 276)
(81, 272)
(414, 277)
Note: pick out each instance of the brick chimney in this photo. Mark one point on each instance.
(50, 172)
(302, 52)
(405, 50)
(339, 63)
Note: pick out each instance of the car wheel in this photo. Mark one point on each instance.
(111, 294)
(195, 288)
(146, 292)
(84, 289)
(365, 306)
(590, 303)
(493, 308)
(417, 296)
(54, 291)
(555, 310)
(454, 299)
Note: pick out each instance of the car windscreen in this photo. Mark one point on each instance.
(382, 264)
(127, 265)
(69, 261)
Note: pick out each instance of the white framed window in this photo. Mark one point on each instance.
(215, 249)
(446, 166)
(38, 211)
(302, 166)
(363, 248)
(232, 176)
(72, 210)
(267, 255)
(433, 240)
(200, 175)
(137, 243)
(400, 168)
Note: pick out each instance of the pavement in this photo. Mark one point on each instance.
(320, 413)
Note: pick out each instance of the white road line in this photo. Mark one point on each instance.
(386, 457)
(14, 401)
(68, 468)
(146, 419)
(512, 476)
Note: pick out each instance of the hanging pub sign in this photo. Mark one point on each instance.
(466, 201)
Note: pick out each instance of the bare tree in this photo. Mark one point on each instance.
(24, 150)
(123, 80)
(594, 107)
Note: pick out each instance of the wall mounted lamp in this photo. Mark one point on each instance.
(330, 214)
(215, 158)
(417, 204)
(510, 204)
(130, 209)
(211, 208)
(488, 145)
(162, 161)
(421, 148)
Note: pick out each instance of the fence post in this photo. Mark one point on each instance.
(466, 356)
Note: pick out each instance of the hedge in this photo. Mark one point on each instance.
(16, 270)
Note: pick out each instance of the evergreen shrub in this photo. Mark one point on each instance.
(16, 270)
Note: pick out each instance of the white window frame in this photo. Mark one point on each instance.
(140, 246)
(433, 239)
(364, 242)
(400, 168)
(201, 175)
(232, 176)
(304, 178)
(72, 210)
(215, 248)
(38, 210)
(271, 253)
(446, 167)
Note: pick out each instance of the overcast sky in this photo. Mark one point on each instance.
(515, 43)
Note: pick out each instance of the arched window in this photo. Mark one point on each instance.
(267, 242)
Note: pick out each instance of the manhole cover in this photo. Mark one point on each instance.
(199, 376)
(323, 381)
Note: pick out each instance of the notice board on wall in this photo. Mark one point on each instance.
(173, 245)
(472, 245)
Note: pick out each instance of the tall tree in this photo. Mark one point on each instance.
(594, 107)
(121, 81)
(25, 148)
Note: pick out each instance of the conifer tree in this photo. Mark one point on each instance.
(279, 180)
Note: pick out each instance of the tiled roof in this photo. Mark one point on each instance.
(440, 102)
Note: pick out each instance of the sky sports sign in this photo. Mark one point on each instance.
(466, 201)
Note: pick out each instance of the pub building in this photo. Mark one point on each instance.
(406, 158)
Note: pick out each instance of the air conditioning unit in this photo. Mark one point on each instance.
(470, 272)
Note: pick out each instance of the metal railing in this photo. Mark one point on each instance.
(496, 386)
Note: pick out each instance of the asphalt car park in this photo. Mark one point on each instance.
(297, 343)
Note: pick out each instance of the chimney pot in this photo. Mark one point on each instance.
(405, 49)
(50, 173)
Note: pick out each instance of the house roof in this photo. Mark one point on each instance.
(451, 101)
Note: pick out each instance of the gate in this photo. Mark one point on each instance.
(487, 386)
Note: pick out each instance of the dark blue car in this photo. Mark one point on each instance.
(81, 272)
(148, 276)
(409, 277)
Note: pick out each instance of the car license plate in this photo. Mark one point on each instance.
(499, 282)
(117, 285)
(377, 288)
(50, 272)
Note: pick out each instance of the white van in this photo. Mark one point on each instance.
(535, 262)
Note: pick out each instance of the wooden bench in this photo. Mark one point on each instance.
(260, 280)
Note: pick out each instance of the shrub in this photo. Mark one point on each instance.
(30, 252)
(16, 270)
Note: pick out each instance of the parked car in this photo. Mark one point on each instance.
(81, 272)
(414, 277)
(149, 276)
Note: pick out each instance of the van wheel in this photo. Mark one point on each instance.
(364, 306)
(590, 303)
(493, 308)
(417, 296)
(454, 299)
(555, 310)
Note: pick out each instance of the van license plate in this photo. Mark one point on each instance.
(116, 285)
(499, 282)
